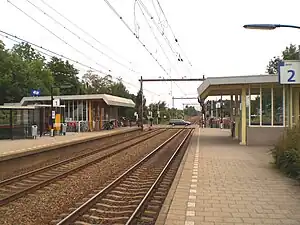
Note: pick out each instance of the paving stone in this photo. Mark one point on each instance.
(235, 185)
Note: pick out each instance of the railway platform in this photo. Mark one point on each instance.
(223, 183)
(15, 148)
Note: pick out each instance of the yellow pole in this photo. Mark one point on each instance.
(244, 118)
(101, 114)
(237, 117)
(290, 104)
(90, 116)
(296, 105)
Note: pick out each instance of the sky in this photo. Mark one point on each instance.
(211, 37)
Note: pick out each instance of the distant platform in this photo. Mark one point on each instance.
(16, 148)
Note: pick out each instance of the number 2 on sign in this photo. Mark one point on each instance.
(292, 76)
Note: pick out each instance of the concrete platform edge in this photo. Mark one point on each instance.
(61, 145)
(168, 201)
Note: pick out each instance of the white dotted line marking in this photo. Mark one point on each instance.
(190, 213)
(192, 197)
(192, 204)
(193, 191)
(187, 222)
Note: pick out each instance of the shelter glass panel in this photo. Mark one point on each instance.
(80, 110)
(278, 106)
(84, 105)
(286, 105)
(254, 104)
(266, 111)
(75, 107)
(71, 106)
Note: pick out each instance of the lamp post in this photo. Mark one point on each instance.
(270, 27)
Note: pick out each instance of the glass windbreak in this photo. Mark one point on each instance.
(254, 105)
(278, 106)
(266, 105)
(266, 111)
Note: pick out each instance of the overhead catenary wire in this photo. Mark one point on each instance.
(175, 39)
(44, 50)
(162, 32)
(160, 45)
(50, 51)
(82, 30)
(103, 72)
(157, 26)
(79, 37)
(128, 27)
(65, 42)
(19, 42)
(178, 56)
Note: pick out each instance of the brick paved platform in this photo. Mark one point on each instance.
(223, 183)
(13, 147)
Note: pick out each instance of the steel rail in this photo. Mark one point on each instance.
(33, 172)
(159, 178)
(81, 209)
(16, 195)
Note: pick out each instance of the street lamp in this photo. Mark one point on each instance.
(268, 26)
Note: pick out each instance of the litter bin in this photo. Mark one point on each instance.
(34, 131)
(64, 128)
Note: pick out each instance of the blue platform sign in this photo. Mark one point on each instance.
(289, 72)
(35, 92)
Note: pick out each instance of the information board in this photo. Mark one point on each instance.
(289, 72)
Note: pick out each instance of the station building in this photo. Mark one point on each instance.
(261, 106)
(85, 112)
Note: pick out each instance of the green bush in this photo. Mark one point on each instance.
(287, 152)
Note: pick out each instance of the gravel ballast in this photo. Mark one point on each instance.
(46, 204)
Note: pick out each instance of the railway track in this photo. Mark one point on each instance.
(136, 196)
(18, 186)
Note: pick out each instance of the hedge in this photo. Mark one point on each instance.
(286, 152)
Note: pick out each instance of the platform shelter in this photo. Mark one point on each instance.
(262, 106)
(87, 112)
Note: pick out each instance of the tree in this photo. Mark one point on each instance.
(27, 53)
(119, 89)
(31, 72)
(190, 111)
(161, 107)
(21, 70)
(5, 74)
(65, 73)
(290, 53)
(139, 105)
(273, 65)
